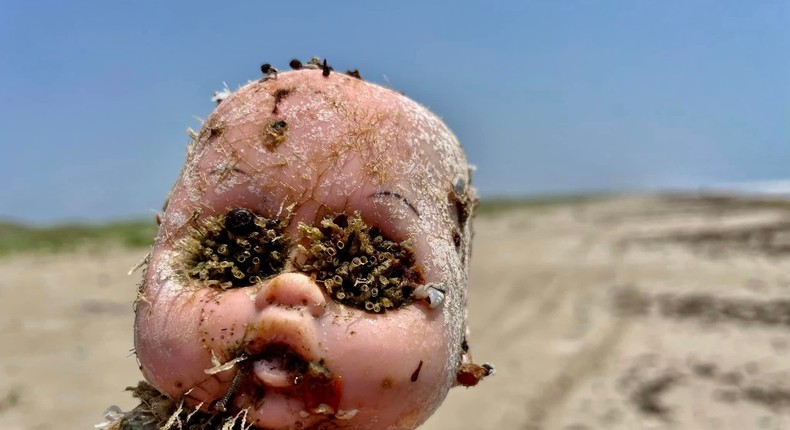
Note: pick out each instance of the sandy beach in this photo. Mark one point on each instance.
(640, 312)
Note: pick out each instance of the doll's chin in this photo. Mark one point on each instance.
(275, 411)
(281, 410)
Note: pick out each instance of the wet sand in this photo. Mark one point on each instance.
(626, 313)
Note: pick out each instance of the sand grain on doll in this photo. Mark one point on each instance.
(312, 205)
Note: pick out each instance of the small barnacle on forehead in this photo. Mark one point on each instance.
(275, 134)
(354, 73)
(268, 71)
(325, 69)
(313, 63)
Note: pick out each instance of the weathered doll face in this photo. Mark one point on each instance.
(311, 263)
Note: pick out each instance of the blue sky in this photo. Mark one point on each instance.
(546, 97)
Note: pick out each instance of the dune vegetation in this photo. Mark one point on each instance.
(17, 237)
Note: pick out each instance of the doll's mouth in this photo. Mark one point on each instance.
(278, 365)
(280, 371)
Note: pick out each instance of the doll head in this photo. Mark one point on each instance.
(311, 263)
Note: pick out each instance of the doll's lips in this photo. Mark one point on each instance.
(285, 361)
(287, 376)
(278, 366)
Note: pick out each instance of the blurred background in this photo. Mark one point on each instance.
(546, 97)
(623, 149)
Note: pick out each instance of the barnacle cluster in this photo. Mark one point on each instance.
(358, 266)
(235, 249)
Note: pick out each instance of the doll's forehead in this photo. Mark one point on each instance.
(346, 184)
(306, 120)
(305, 139)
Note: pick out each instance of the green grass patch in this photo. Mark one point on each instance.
(495, 205)
(16, 237)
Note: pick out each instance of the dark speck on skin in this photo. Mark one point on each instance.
(397, 196)
(279, 96)
(416, 373)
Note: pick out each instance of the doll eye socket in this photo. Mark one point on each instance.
(236, 249)
(358, 266)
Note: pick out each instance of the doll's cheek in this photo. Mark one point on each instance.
(391, 366)
(165, 339)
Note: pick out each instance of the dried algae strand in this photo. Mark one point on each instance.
(358, 266)
(236, 249)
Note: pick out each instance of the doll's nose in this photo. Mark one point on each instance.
(292, 289)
